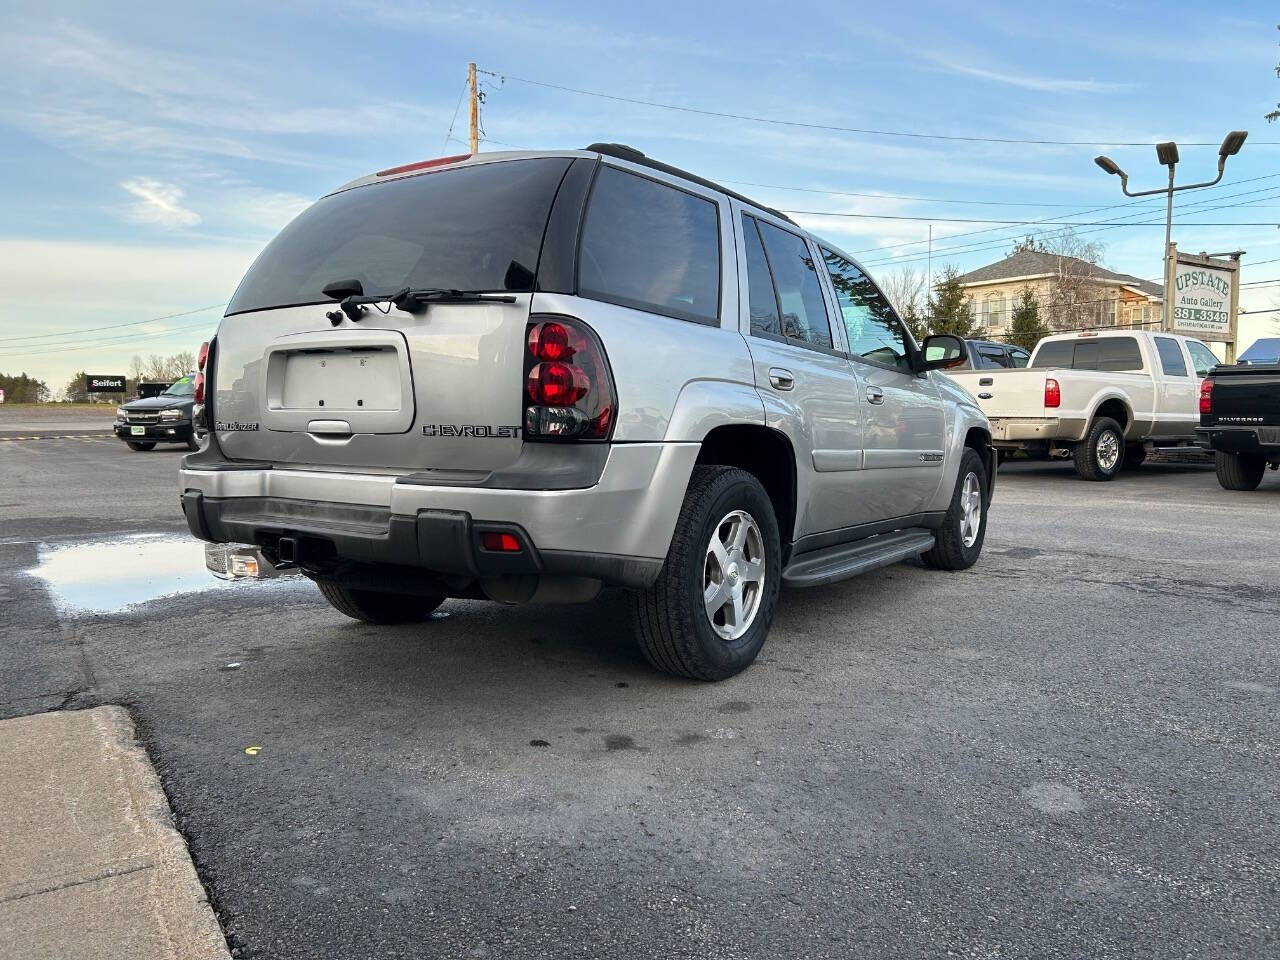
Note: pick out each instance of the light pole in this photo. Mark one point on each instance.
(1167, 154)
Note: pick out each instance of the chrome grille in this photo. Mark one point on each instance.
(143, 417)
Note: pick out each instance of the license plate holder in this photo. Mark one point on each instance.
(347, 380)
(138, 431)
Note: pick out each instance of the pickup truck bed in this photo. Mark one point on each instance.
(1240, 420)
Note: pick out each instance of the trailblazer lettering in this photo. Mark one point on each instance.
(234, 426)
(478, 431)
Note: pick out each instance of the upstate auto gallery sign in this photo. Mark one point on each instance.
(1202, 300)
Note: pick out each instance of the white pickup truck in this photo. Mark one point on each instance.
(1104, 399)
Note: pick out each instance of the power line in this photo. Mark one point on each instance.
(856, 130)
(992, 243)
(111, 326)
(1113, 206)
(899, 196)
(1025, 223)
(46, 349)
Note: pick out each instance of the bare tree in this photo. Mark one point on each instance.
(135, 368)
(180, 364)
(155, 367)
(1075, 296)
(905, 289)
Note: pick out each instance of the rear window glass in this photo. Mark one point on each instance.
(652, 247)
(475, 228)
(1103, 353)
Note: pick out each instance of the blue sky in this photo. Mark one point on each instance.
(148, 151)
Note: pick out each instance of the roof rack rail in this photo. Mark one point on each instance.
(624, 152)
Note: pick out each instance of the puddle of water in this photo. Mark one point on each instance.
(107, 575)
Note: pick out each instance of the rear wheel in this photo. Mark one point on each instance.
(958, 541)
(374, 606)
(1100, 454)
(140, 447)
(709, 611)
(1239, 471)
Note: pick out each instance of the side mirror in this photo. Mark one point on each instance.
(942, 351)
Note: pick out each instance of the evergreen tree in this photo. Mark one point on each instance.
(950, 310)
(1026, 328)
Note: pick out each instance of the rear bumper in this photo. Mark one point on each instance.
(1260, 441)
(616, 530)
(1016, 431)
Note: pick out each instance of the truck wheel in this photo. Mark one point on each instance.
(140, 447)
(709, 611)
(959, 539)
(1239, 471)
(374, 606)
(1100, 454)
(1135, 455)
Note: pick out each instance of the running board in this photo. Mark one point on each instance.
(850, 559)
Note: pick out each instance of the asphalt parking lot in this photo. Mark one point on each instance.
(1070, 750)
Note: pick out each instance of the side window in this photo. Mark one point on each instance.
(1018, 357)
(763, 298)
(993, 358)
(1171, 361)
(804, 312)
(1086, 355)
(1119, 353)
(1202, 358)
(875, 334)
(652, 247)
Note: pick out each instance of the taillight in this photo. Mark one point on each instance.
(1206, 396)
(1052, 393)
(200, 362)
(568, 386)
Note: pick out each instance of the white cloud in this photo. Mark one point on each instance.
(159, 203)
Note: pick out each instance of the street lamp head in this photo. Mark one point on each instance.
(1232, 143)
(1167, 153)
(1109, 165)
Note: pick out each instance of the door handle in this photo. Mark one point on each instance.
(781, 379)
(875, 395)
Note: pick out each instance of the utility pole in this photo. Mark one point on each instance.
(475, 108)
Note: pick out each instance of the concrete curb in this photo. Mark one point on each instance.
(90, 863)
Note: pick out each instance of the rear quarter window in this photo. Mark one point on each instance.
(652, 247)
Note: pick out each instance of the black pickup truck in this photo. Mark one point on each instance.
(1240, 420)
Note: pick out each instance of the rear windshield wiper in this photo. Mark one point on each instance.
(409, 299)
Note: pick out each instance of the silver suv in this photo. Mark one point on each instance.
(528, 376)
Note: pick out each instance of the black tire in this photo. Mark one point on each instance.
(1135, 455)
(140, 447)
(949, 550)
(1239, 471)
(374, 606)
(670, 617)
(1103, 431)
